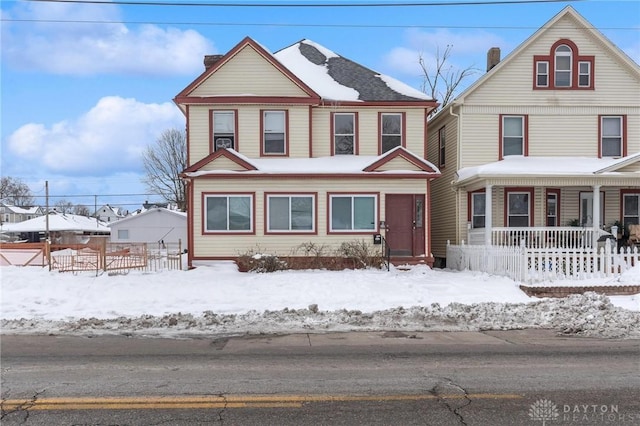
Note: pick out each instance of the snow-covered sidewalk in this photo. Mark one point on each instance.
(218, 299)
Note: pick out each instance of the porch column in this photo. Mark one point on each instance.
(595, 214)
(488, 219)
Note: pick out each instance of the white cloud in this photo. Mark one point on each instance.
(82, 45)
(107, 139)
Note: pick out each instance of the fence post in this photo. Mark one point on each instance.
(180, 253)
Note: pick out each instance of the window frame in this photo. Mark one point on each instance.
(289, 196)
(623, 135)
(228, 195)
(531, 208)
(471, 208)
(575, 62)
(624, 193)
(263, 133)
(123, 234)
(442, 141)
(558, 54)
(376, 213)
(381, 134)
(334, 133)
(525, 133)
(212, 134)
(540, 74)
(555, 193)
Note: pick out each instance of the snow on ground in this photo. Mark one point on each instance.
(219, 300)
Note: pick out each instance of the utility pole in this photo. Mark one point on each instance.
(46, 192)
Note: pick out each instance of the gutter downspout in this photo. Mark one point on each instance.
(458, 163)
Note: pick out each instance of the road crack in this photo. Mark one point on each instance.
(20, 408)
(442, 391)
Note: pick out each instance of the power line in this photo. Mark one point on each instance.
(307, 5)
(262, 24)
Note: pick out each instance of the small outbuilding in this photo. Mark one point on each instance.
(156, 225)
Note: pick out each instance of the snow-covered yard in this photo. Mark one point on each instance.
(215, 300)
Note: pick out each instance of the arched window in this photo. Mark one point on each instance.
(563, 61)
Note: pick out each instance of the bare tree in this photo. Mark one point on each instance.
(63, 206)
(81, 210)
(162, 164)
(15, 191)
(443, 81)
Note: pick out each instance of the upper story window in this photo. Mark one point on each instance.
(391, 131)
(441, 146)
(274, 132)
(224, 129)
(344, 133)
(612, 136)
(563, 68)
(513, 135)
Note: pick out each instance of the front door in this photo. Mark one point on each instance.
(405, 224)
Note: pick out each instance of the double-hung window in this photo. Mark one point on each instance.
(563, 60)
(344, 133)
(290, 213)
(353, 213)
(513, 135)
(228, 213)
(542, 74)
(584, 74)
(518, 209)
(611, 136)
(274, 135)
(224, 129)
(390, 131)
(478, 209)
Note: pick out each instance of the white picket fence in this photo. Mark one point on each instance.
(525, 264)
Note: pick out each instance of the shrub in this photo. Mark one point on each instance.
(256, 261)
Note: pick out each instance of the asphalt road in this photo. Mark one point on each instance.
(527, 377)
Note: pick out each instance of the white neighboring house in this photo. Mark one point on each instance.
(156, 225)
(109, 213)
(14, 214)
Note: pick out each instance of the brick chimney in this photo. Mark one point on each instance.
(209, 60)
(493, 58)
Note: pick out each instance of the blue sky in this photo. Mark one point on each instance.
(86, 87)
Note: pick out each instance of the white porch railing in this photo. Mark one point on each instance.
(538, 237)
(525, 264)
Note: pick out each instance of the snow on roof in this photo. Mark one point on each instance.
(517, 165)
(318, 165)
(57, 222)
(145, 212)
(22, 210)
(334, 77)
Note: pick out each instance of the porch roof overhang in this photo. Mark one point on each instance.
(550, 171)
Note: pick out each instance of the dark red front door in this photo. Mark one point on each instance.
(405, 224)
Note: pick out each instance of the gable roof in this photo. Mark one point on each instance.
(322, 74)
(57, 222)
(568, 11)
(338, 164)
(156, 210)
(335, 77)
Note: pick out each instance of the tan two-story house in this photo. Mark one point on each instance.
(303, 146)
(544, 149)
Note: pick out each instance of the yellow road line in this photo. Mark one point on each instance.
(213, 401)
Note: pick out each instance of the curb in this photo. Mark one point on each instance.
(622, 290)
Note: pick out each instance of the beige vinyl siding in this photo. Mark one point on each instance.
(222, 163)
(443, 198)
(220, 245)
(635, 167)
(248, 73)
(199, 143)
(514, 82)
(481, 138)
(368, 134)
(398, 164)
